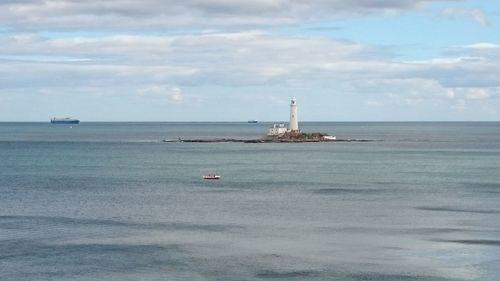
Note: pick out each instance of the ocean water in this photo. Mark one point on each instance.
(110, 201)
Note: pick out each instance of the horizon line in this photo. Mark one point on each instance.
(266, 121)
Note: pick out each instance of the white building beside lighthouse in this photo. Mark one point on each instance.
(277, 129)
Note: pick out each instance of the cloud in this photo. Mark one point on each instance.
(222, 58)
(160, 50)
(474, 93)
(154, 63)
(424, 92)
(238, 58)
(460, 105)
(448, 60)
(373, 103)
(476, 15)
(482, 46)
(171, 94)
(124, 14)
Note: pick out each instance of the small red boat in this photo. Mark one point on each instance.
(211, 177)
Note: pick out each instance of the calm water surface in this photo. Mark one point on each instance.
(109, 201)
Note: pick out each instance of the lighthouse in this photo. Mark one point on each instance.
(293, 126)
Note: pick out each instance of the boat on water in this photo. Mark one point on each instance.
(329, 138)
(211, 177)
(65, 120)
(253, 121)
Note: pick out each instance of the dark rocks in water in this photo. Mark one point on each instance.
(211, 140)
(303, 139)
(299, 136)
(288, 137)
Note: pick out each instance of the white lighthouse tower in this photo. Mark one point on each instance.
(293, 126)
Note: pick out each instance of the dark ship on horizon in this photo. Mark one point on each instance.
(65, 120)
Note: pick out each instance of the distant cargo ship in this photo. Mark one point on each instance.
(66, 120)
(253, 121)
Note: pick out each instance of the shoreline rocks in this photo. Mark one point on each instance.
(265, 140)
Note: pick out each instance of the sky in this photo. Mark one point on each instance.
(236, 60)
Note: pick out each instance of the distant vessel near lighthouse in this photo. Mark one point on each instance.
(65, 120)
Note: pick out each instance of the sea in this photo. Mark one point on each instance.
(111, 201)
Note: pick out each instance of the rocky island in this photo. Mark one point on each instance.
(302, 138)
(279, 133)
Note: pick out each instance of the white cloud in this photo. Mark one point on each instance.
(125, 14)
(415, 92)
(482, 46)
(222, 58)
(478, 94)
(463, 97)
(460, 105)
(241, 58)
(107, 46)
(176, 95)
(447, 61)
(373, 103)
(252, 58)
(449, 93)
(476, 15)
(475, 93)
(172, 94)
